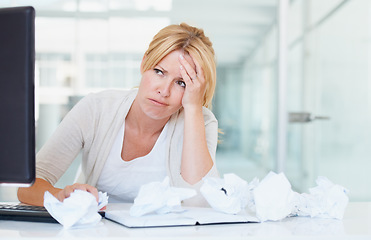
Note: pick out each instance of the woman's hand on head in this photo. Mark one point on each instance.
(193, 77)
(66, 192)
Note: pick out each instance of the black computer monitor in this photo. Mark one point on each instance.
(17, 120)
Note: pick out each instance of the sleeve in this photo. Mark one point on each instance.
(61, 149)
(211, 130)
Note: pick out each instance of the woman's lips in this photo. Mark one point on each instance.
(158, 103)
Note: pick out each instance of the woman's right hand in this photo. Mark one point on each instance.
(66, 192)
(34, 195)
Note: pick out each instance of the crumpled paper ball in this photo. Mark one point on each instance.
(273, 197)
(326, 200)
(229, 195)
(159, 197)
(80, 209)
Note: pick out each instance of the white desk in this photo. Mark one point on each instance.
(355, 225)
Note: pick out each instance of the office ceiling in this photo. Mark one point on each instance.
(234, 26)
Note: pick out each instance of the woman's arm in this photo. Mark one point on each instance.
(57, 154)
(34, 195)
(196, 158)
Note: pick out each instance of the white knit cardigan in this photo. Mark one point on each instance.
(91, 126)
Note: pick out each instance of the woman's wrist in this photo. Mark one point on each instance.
(192, 108)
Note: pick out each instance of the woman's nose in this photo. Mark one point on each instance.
(164, 89)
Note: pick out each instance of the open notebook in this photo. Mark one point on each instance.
(189, 217)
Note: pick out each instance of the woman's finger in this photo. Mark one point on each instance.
(93, 191)
(66, 192)
(199, 70)
(190, 70)
(87, 188)
(185, 76)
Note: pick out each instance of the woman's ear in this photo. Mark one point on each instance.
(141, 65)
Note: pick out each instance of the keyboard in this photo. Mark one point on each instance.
(22, 212)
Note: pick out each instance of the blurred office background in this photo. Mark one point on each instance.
(294, 82)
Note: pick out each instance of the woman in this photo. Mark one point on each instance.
(130, 138)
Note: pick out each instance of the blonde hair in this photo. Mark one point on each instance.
(193, 41)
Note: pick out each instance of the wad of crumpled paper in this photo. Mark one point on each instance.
(159, 197)
(229, 195)
(273, 199)
(80, 209)
(326, 200)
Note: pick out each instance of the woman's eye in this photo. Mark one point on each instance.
(181, 83)
(158, 71)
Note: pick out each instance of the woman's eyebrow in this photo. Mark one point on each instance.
(165, 71)
(162, 69)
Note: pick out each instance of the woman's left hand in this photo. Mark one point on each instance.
(193, 76)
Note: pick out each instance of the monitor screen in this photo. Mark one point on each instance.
(17, 120)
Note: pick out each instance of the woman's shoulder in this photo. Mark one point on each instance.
(113, 93)
(111, 96)
(208, 115)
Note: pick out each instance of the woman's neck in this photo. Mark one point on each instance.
(138, 121)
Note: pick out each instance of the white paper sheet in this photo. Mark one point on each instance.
(190, 216)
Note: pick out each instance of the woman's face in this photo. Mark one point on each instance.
(161, 88)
